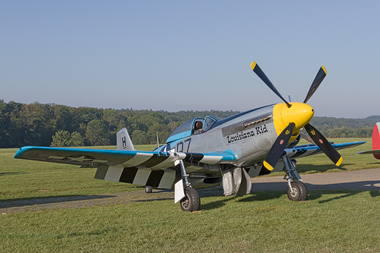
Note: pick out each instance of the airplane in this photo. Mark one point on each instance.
(208, 152)
(375, 142)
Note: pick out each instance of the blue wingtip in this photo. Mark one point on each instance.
(21, 150)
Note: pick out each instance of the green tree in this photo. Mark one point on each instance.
(62, 118)
(76, 139)
(35, 127)
(61, 139)
(139, 137)
(97, 133)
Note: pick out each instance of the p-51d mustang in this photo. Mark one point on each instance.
(207, 152)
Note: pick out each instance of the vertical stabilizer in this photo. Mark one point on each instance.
(123, 140)
(376, 139)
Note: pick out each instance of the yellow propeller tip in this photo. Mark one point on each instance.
(253, 65)
(339, 162)
(268, 166)
(324, 69)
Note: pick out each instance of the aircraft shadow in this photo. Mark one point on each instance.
(85, 200)
(253, 196)
(274, 190)
(23, 202)
(156, 195)
(261, 191)
(11, 173)
(373, 185)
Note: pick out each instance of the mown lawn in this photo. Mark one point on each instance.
(346, 221)
(331, 221)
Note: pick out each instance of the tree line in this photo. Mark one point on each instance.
(345, 127)
(59, 125)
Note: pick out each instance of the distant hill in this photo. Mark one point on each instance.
(345, 122)
(345, 127)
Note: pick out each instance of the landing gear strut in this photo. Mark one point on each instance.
(297, 190)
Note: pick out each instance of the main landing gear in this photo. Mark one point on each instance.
(297, 190)
(190, 201)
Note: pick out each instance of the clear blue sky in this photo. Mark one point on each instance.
(191, 55)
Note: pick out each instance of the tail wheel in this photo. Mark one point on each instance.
(299, 191)
(148, 189)
(191, 202)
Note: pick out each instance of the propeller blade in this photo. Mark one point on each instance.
(323, 144)
(317, 81)
(255, 67)
(278, 147)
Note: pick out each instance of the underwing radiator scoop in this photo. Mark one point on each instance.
(236, 182)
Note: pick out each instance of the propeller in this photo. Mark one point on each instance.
(317, 81)
(323, 144)
(255, 67)
(294, 119)
(278, 147)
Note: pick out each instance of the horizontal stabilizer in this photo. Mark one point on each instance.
(377, 151)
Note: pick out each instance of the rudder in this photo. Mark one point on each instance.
(376, 139)
(123, 140)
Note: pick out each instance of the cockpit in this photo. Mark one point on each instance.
(209, 122)
(193, 126)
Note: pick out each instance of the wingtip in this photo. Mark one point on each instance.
(253, 65)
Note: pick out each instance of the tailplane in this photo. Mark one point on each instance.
(123, 140)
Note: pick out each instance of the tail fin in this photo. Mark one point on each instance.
(123, 140)
(376, 139)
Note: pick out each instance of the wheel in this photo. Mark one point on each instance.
(299, 191)
(148, 189)
(191, 202)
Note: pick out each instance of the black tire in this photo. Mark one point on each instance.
(148, 189)
(191, 202)
(299, 191)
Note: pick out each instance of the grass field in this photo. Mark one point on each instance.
(331, 221)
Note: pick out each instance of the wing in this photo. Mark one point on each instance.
(85, 157)
(306, 150)
(130, 166)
